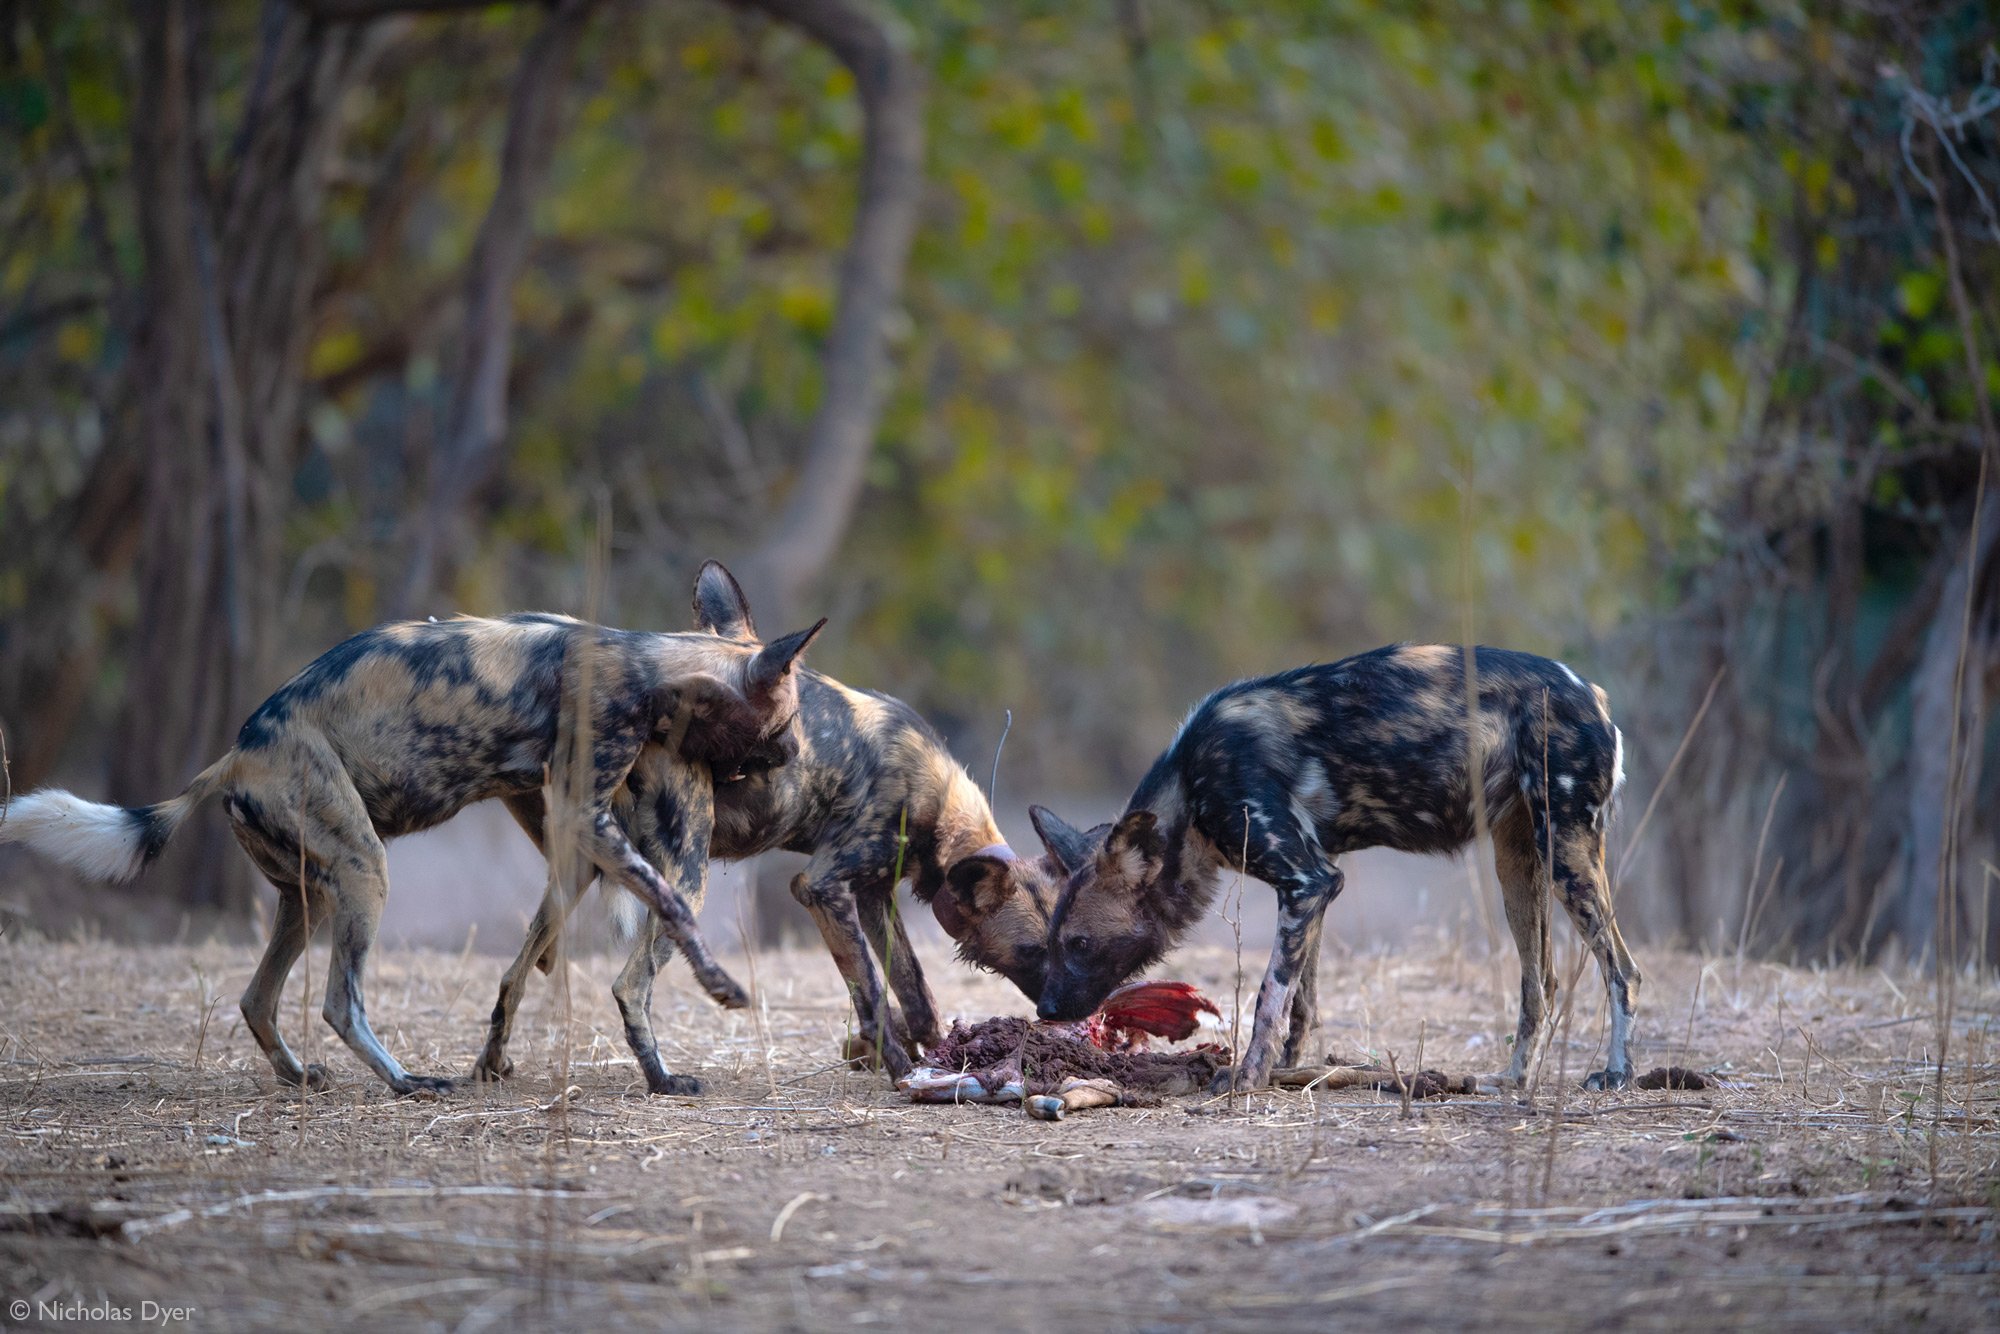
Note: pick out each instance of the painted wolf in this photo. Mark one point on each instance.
(870, 793)
(1277, 777)
(400, 727)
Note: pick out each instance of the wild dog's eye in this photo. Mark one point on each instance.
(1080, 944)
(1029, 953)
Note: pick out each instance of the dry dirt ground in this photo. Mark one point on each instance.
(146, 1157)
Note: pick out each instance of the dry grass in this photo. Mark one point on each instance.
(1800, 1195)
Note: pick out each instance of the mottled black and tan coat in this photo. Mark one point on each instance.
(871, 794)
(1279, 776)
(402, 726)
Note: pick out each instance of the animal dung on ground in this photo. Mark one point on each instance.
(1098, 1062)
(1676, 1077)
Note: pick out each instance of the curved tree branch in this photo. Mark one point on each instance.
(476, 421)
(808, 531)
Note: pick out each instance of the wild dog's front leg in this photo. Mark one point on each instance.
(614, 856)
(1305, 991)
(892, 945)
(834, 910)
(1298, 912)
(634, 993)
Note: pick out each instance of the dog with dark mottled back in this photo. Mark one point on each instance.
(401, 727)
(871, 795)
(1277, 777)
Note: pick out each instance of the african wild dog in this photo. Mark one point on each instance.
(399, 728)
(1369, 752)
(865, 765)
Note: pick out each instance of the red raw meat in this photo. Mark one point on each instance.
(1164, 1009)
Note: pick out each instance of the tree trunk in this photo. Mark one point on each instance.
(217, 363)
(1940, 800)
(816, 514)
(476, 423)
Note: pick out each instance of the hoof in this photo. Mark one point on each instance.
(673, 1086)
(486, 1072)
(1605, 1080)
(424, 1086)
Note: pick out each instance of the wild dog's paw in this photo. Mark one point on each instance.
(1229, 1080)
(424, 1086)
(491, 1070)
(313, 1079)
(897, 1061)
(724, 990)
(673, 1086)
(1605, 1080)
(860, 1053)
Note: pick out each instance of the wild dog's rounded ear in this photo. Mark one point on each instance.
(719, 605)
(980, 885)
(1066, 844)
(774, 661)
(945, 908)
(972, 888)
(1138, 832)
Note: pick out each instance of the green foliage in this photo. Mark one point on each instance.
(1216, 313)
(1210, 323)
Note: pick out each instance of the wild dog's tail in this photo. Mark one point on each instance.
(627, 916)
(111, 843)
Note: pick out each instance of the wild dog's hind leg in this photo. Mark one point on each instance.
(550, 918)
(359, 890)
(303, 791)
(1586, 895)
(633, 990)
(530, 811)
(1524, 891)
(884, 925)
(267, 987)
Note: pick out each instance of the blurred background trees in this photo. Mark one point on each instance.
(1230, 336)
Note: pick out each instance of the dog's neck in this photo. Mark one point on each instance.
(965, 828)
(1190, 873)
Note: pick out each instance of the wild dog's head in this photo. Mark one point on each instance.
(1104, 927)
(997, 906)
(751, 727)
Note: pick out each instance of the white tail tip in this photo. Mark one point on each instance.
(627, 916)
(103, 842)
